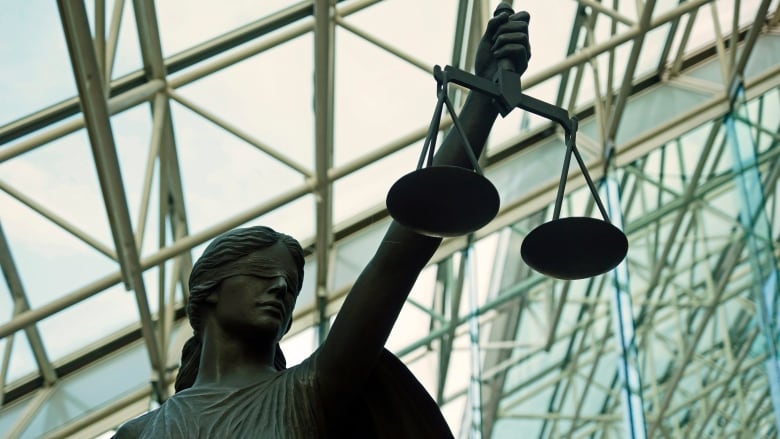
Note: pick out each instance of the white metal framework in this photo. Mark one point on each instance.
(134, 132)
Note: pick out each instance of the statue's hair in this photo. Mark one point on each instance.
(223, 250)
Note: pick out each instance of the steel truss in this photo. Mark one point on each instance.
(549, 351)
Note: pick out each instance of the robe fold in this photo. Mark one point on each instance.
(289, 405)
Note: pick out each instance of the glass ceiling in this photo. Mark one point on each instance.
(217, 116)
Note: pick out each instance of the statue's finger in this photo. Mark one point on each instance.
(494, 24)
(522, 16)
(512, 26)
(511, 38)
(517, 53)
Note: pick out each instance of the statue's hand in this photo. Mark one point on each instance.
(506, 37)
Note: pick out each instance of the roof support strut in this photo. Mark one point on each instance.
(95, 108)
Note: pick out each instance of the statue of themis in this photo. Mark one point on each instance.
(233, 381)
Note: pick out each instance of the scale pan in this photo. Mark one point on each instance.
(443, 201)
(574, 248)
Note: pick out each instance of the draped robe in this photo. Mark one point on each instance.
(289, 405)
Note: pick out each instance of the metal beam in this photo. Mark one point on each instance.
(452, 290)
(58, 220)
(506, 323)
(171, 193)
(590, 52)
(576, 347)
(21, 302)
(241, 134)
(467, 279)
(324, 53)
(116, 104)
(623, 322)
(747, 49)
(113, 39)
(95, 108)
(30, 411)
(401, 54)
(631, 64)
(759, 240)
(725, 384)
(684, 361)
(160, 107)
(175, 63)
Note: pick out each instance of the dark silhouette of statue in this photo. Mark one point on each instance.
(233, 381)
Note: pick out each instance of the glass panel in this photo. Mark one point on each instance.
(92, 388)
(458, 373)
(662, 6)
(10, 413)
(267, 96)
(41, 73)
(90, 320)
(528, 171)
(377, 97)
(527, 421)
(6, 302)
(353, 253)
(62, 177)
(39, 247)
(650, 110)
(299, 346)
(22, 362)
(516, 124)
(764, 57)
(128, 52)
(427, 33)
(413, 322)
(628, 9)
(306, 300)
(550, 29)
(185, 23)
(599, 79)
(453, 411)
(650, 57)
(222, 175)
(368, 187)
(703, 32)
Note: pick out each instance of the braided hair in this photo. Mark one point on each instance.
(224, 250)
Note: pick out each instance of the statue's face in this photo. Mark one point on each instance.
(259, 304)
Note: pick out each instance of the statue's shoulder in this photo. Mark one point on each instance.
(134, 427)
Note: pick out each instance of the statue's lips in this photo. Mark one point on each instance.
(276, 306)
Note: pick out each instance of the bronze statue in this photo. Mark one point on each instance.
(233, 381)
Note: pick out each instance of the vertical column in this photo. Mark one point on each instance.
(475, 383)
(758, 237)
(324, 39)
(623, 321)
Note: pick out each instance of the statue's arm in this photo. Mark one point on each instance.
(372, 306)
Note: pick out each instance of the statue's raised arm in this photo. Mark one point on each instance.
(372, 306)
(233, 381)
